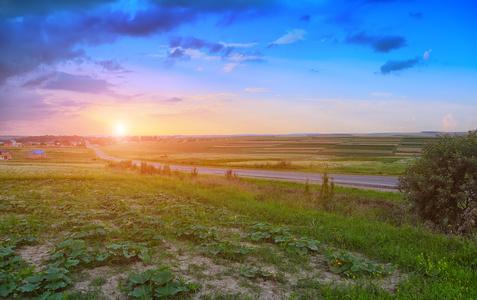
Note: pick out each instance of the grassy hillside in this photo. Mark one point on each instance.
(92, 231)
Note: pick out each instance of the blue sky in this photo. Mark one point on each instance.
(234, 67)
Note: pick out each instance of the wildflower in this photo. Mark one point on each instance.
(294, 239)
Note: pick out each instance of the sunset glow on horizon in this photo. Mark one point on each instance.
(163, 67)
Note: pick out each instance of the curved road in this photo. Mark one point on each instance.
(361, 181)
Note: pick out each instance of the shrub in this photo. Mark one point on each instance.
(442, 183)
(194, 173)
(327, 191)
(231, 175)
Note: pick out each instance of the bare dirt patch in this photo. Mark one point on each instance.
(36, 255)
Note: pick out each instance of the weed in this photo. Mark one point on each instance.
(253, 272)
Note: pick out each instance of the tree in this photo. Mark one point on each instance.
(442, 183)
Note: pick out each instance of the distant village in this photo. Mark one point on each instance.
(37, 142)
(46, 141)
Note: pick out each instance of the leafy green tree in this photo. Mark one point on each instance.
(442, 183)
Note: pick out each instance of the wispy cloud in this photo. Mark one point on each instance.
(291, 37)
(255, 90)
(170, 101)
(238, 45)
(229, 67)
(427, 55)
(448, 122)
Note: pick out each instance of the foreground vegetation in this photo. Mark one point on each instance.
(87, 231)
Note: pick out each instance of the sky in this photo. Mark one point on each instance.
(206, 67)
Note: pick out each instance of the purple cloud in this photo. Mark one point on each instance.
(34, 33)
(80, 84)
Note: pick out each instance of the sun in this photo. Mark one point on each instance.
(120, 129)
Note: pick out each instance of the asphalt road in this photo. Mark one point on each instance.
(361, 181)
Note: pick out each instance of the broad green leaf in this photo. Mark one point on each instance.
(215, 250)
(34, 279)
(141, 291)
(344, 267)
(169, 290)
(291, 250)
(45, 296)
(128, 254)
(312, 246)
(162, 277)
(55, 285)
(86, 259)
(7, 288)
(140, 278)
(29, 287)
(114, 247)
(48, 296)
(335, 268)
(71, 262)
(103, 256)
(65, 244)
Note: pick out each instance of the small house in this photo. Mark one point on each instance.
(37, 154)
(5, 154)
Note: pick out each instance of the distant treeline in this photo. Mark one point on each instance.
(50, 138)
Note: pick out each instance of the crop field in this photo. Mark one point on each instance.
(370, 155)
(82, 229)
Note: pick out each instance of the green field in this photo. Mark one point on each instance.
(384, 155)
(80, 229)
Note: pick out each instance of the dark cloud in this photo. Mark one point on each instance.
(80, 84)
(39, 80)
(176, 55)
(226, 52)
(35, 33)
(194, 43)
(398, 65)
(378, 43)
(27, 45)
(110, 65)
(230, 11)
(219, 6)
(15, 8)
